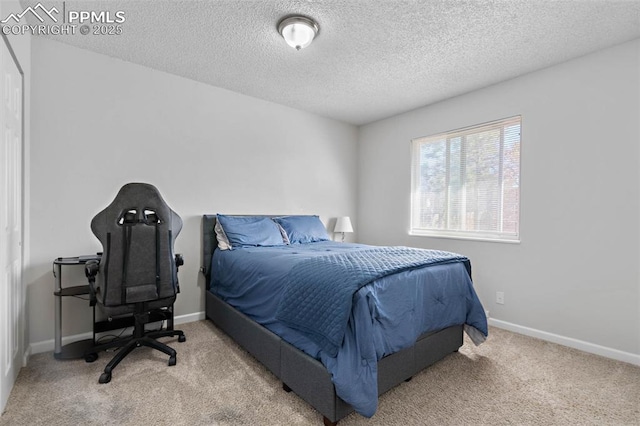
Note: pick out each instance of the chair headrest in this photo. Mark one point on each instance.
(136, 203)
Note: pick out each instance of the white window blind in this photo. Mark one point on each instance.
(466, 183)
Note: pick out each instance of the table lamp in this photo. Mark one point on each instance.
(343, 224)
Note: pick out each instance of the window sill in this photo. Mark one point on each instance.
(454, 236)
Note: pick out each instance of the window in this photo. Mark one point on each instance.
(466, 183)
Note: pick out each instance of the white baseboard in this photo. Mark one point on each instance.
(25, 356)
(568, 341)
(182, 319)
(49, 345)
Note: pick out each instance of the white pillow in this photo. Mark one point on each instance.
(223, 241)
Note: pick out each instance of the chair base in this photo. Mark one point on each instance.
(139, 338)
(146, 340)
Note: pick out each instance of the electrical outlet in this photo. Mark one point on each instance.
(500, 297)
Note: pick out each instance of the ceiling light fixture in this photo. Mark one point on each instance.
(298, 31)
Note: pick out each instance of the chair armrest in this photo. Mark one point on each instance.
(179, 263)
(91, 269)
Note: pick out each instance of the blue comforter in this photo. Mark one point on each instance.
(387, 314)
(319, 291)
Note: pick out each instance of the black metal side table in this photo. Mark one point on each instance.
(76, 349)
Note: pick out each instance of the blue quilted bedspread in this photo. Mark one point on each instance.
(319, 291)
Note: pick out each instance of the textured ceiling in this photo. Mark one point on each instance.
(372, 59)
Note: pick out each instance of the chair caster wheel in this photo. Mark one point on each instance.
(182, 338)
(172, 361)
(105, 378)
(91, 357)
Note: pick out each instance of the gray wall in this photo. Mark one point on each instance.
(99, 123)
(575, 274)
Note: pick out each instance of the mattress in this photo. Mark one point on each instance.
(387, 315)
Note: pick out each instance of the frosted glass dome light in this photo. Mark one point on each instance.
(298, 31)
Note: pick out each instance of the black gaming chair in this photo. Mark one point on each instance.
(138, 272)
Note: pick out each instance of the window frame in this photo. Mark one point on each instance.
(492, 236)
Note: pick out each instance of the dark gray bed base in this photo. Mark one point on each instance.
(299, 372)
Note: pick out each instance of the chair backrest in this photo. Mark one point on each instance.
(137, 231)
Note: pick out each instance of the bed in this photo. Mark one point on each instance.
(379, 339)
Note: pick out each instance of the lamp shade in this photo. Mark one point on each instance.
(343, 224)
(298, 31)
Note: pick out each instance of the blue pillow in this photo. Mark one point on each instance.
(303, 229)
(250, 231)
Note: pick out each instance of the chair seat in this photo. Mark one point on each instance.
(115, 311)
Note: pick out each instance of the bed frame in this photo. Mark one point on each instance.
(299, 372)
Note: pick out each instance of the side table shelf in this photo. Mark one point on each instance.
(75, 349)
(72, 291)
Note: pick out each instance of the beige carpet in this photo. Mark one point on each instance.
(509, 380)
